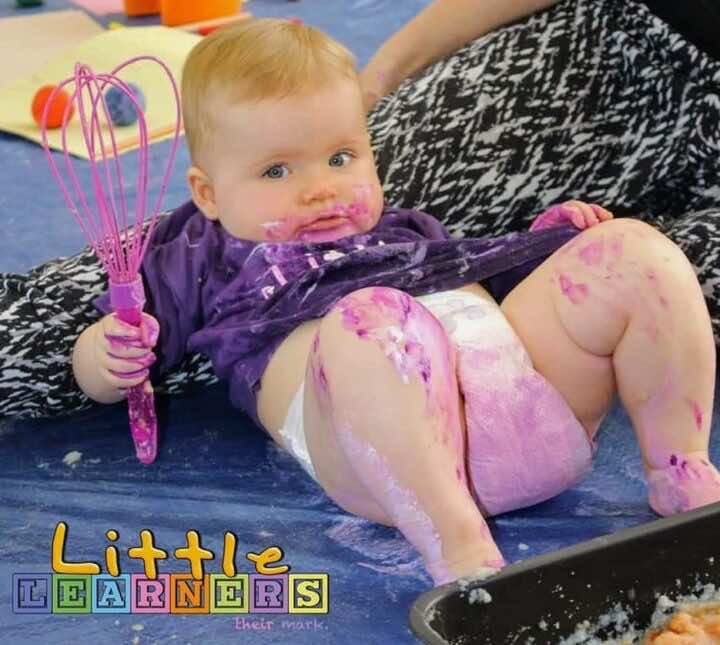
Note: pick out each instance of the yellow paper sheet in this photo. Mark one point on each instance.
(102, 53)
(31, 41)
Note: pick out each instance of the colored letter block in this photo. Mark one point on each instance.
(150, 596)
(268, 594)
(229, 595)
(31, 593)
(71, 594)
(111, 594)
(309, 593)
(187, 595)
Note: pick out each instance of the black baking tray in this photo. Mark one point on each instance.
(542, 599)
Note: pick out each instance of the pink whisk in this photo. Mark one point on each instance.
(119, 247)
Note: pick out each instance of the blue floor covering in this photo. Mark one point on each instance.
(217, 473)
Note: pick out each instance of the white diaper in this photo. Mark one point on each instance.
(461, 313)
(293, 432)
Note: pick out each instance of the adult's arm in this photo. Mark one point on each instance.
(441, 28)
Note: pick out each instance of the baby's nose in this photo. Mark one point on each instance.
(319, 192)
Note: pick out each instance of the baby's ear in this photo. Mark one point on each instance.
(202, 191)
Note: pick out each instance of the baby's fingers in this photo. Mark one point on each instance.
(602, 214)
(123, 373)
(122, 347)
(122, 365)
(149, 330)
(125, 380)
(586, 214)
(116, 329)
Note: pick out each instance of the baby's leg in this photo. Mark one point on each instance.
(383, 425)
(524, 444)
(620, 306)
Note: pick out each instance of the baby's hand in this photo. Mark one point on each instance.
(123, 352)
(581, 215)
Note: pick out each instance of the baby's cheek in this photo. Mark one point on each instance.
(377, 203)
(367, 205)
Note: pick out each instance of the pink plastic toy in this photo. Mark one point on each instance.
(119, 247)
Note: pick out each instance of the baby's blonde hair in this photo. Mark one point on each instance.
(258, 59)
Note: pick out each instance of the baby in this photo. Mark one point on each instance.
(368, 342)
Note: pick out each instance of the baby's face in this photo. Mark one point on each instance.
(298, 168)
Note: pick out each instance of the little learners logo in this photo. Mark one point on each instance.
(81, 588)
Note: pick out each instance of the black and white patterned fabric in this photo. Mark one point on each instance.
(593, 99)
(42, 314)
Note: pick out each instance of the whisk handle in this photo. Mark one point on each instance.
(127, 300)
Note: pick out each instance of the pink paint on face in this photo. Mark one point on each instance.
(576, 292)
(326, 225)
(592, 254)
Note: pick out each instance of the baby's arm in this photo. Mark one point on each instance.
(111, 356)
(581, 215)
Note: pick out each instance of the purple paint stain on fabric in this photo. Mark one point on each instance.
(215, 294)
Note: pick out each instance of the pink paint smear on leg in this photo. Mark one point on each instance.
(696, 412)
(576, 292)
(399, 502)
(688, 482)
(592, 254)
(416, 344)
(385, 318)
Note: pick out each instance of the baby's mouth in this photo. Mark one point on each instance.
(326, 228)
(324, 223)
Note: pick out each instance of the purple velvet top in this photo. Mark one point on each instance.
(237, 300)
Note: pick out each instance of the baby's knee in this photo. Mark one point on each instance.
(636, 236)
(633, 249)
(379, 323)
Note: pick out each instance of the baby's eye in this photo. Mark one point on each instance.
(278, 171)
(340, 159)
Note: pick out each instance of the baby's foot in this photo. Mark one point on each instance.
(468, 552)
(688, 481)
(478, 568)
